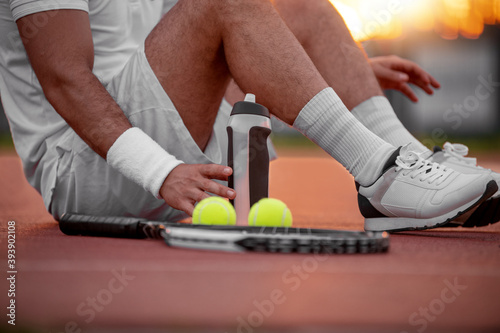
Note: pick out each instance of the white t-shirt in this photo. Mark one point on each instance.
(118, 27)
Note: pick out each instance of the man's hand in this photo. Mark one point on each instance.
(189, 183)
(393, 72)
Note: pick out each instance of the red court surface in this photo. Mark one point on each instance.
(442, 280)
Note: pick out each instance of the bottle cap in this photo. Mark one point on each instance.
(248, 107)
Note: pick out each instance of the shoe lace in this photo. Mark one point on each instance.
(458, 152)
(415, 166)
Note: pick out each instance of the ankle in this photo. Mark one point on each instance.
(380, 161)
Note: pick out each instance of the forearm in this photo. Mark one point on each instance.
(62, 56)
(88, 108)
(98, 120)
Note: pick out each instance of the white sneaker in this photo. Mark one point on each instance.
(454, 156)
(414, 194)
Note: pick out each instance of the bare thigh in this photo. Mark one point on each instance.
(187, 56)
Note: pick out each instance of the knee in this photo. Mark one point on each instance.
(305, 17)
(226, 6)
(228, 9)
(306, 9)
(312, 8)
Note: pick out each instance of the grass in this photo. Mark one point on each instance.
(483, 144)
(477, 144)
(292, 141)
(489, 143)
(6, 143)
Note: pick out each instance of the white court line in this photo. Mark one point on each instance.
(219, 266)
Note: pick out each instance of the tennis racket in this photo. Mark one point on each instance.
(228, 238)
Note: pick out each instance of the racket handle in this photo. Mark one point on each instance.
(104, 226)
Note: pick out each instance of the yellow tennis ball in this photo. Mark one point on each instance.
(270, 212)
(214, 210)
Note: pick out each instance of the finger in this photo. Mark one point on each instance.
(201, 195)
(194, 193)
(385, 84)
(187, 207)
(385, 73)
(218, 189)
(192, 199)
(406, 89)
(413, 70)
(424, 86)
(215, 171)
(434, 82)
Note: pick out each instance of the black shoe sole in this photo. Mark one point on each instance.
(485, 214)
(491, 188)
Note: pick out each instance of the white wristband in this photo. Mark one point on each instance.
(139, 158)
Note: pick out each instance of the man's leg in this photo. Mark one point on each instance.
(199, 45)
(326, 39)
(324, 36)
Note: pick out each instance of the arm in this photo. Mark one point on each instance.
(61, 54)
(393, 72)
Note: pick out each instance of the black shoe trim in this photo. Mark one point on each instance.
(491, 188)
(391, 161)
(437, 149)
(487, 213)
(367, 209)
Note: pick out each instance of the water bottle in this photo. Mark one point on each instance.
(248, 129)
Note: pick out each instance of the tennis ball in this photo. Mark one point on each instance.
(214, 211)
(270, 212)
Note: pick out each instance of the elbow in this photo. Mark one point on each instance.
(58, 84)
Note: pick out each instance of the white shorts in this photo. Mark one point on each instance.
(86, 184)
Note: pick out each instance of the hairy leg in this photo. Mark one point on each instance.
(199, 45)
(322, 32)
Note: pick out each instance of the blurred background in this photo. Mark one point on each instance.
(457, 41)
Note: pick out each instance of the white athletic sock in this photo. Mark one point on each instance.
(378, 116)
(327, 122)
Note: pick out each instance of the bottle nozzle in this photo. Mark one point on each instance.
(250, 98)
